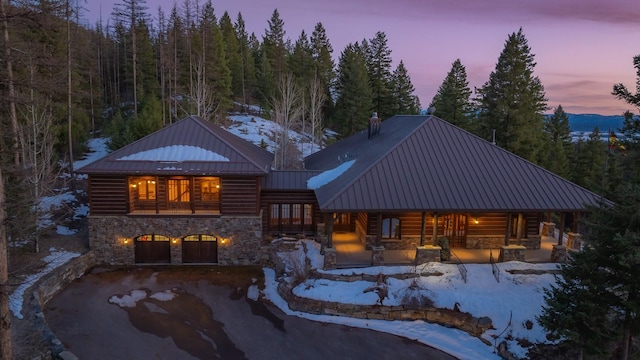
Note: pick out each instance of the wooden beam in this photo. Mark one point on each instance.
(328, 228)
(561, 227)
(422, 230)
(379, 229)
(434, 239)
(507, 234)
(519, 228)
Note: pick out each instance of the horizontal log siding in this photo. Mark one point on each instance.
(533, 223)
(488, 224)
(239, 196)
(283, 197)
(108, 195)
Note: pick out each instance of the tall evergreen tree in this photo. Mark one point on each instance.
(275, 45)
(378, 59)
(513, 101)
(301, 62)
(354, 96)
(322, 53)
(403, 92)
(595, 301)
(453, 102)
(233, 55)
(587, 164)
(556, 128)
(248, 70)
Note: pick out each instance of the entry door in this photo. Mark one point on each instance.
(342, 223)
(455, 228)
(152, 249)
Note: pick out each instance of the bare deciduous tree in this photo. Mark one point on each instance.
(287, 110)
(317, 98)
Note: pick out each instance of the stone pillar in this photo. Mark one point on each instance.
(548, 229)
(320, 229)
(329, 259)
(559, 254)
(574, 241)
(427, 253)
(377, 255)
(176, 251)
(511, 253)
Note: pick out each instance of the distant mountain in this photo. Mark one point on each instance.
(585, 123)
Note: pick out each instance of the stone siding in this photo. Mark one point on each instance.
(484, 241)
(405, 243)
(111, 237)
(446, 317)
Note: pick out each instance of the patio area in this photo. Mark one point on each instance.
(350, 252)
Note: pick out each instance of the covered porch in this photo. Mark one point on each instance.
(351, 252)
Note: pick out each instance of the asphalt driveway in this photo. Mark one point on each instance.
(201, 313)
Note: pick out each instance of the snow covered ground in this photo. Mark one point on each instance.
(512, 304)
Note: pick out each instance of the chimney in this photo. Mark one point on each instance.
(374, 125)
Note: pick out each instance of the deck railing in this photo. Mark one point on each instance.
(460, 264)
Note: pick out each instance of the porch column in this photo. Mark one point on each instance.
(422, 223)
(156, 190)
(434, 239)
(379, 229)
(192, 189)
(563, 217)
(507, 235)
(519, 228)
(328, 226)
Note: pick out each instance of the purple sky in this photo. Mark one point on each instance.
(582, 47)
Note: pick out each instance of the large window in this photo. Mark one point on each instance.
(179, 190)
(390, 228)
(290, 218)
(143, 188)
(210, 189)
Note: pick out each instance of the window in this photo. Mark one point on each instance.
(390, 228)
(179, 190)
(210, 189)
(286, 214)
(308, 216)
(295, 214)
(274, 215)
(199, 238)
(143, 188)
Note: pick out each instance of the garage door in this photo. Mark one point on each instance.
(152, 249)
(200, 249)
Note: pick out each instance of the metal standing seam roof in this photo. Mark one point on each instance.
(423, 163)
(292, 180)
(244, 157)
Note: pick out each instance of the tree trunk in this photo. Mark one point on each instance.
(10, 87)
(69, 117)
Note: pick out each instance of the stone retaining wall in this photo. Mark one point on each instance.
(48, 346)
(446, 317)
(111, 237)
(484, 242)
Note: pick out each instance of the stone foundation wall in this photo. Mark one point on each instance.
(111, 237)
(532, 242)
(405, 243)
(484, 241)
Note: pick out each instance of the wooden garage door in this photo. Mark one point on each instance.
(199, 249)
(153, 249)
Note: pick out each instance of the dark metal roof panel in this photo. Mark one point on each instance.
(244, 157)
(288, 179)
(424, 163)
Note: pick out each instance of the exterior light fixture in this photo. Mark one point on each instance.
(475, 220)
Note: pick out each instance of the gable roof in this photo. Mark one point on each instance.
(191, 146)
(423, 163)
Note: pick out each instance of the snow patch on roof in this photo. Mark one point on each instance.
(176, 153)
(328, 176)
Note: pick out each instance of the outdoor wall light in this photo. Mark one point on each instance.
(475, 220)
(125, 240)
(223, 240)
(175, 241)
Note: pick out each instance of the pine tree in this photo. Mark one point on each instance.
(587, 164)
(403, 92)
(247, 60)
(301, 62)
(452, 102)
(233, 55)
(354, 96)
(378, 60)
(276, 46)
(558, 132)
(513, 101)
(322, 52)
(596, 300)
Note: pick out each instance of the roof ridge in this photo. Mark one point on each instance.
(365, 170)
